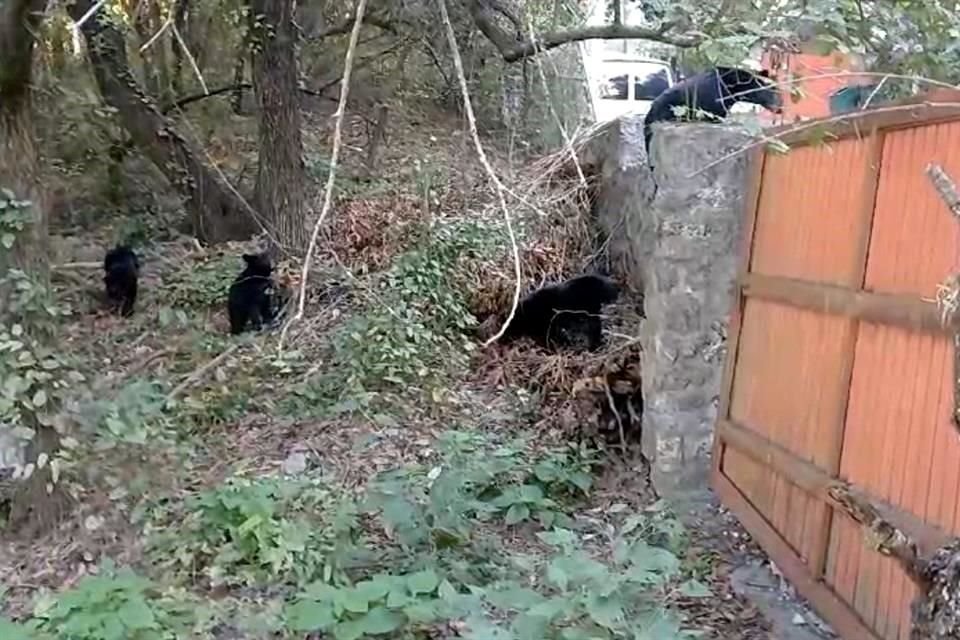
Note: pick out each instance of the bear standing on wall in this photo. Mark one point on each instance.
(713, 92)
(250, 300)
(121, 271)
(560, 315)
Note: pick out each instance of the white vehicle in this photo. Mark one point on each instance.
(629, 86)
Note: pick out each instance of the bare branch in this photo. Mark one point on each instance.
(346, 26)
(556, 116)
(338, 118)
(514, 48)
(885, 537)
(500, 188)
(946, 187)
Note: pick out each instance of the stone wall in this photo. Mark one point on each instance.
(677, 242)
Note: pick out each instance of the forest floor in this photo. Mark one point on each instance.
(381, 473)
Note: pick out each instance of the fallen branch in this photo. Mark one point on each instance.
(935, 612)
(500, 188)
(198, 374)
(114, 381)
(946, 187)
(884, 536)
(331, 177)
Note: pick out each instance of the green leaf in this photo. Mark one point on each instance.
(582, 480)
(422, 612)
(371, 590)
(517, 513)
(514, 598)
(656, 625)
(529, 627)
(694, 589)
(7, 240)
(308, 615)
(12, 631)
(136, 615)
(398, 598)
(353, 601)
(531, 493)
(380, 620)
(423, 582)
(557, 576)
(348, 630)
(550, 608)
(606, 612)
(39, 398)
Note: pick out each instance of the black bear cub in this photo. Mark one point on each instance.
(250, 301)
(564, 314)
(714, 92)
(121, 270)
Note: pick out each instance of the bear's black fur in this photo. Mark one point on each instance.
(121, 271)
(250, 300)
(561, 315)
(714, 92)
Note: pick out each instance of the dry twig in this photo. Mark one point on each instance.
(200, 372)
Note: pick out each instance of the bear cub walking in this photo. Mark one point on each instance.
(121, 271)
(250, 301)
(565, 314)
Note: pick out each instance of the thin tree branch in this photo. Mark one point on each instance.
(886, 538)
(318, 92)
(346, 26)
(556, 116)
(500, 189)
(514, 47)
(331, 177)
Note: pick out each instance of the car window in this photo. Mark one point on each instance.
(614, 88)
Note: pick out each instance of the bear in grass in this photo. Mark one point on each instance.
(250, 300)
(566, 314)
(712, 92)
(121, 271)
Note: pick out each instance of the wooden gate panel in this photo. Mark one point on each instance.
(790, 352)
(809, 212)
(899, 443)
(913, 244)
(838, 364)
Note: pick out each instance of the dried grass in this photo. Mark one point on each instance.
(370, 232)
(948, 298)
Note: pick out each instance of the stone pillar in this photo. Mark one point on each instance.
(624, 199)
(688, 279)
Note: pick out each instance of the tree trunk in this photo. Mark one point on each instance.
(19, 157)
(34, 507)
(217, 212)
(281, 175)
(239, 66)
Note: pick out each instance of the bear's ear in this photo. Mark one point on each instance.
(249, 258)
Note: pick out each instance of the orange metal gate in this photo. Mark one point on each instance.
(838, 365)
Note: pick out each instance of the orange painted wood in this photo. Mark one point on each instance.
(822, 598)
(839, 365)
